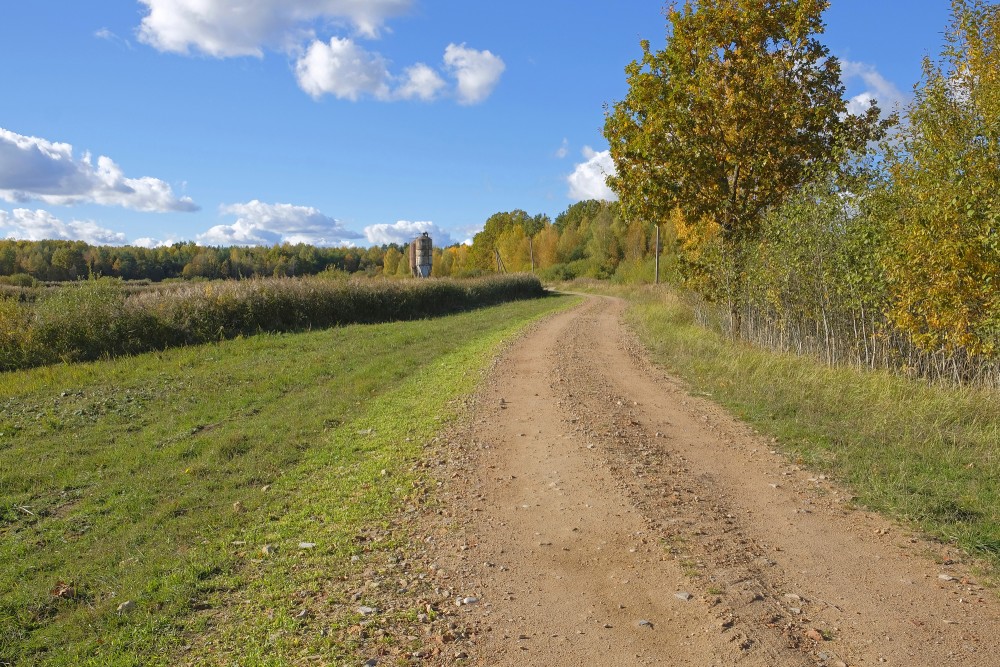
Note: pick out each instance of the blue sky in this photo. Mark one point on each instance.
(340, 121)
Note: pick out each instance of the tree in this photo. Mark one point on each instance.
(484, 244)
(945, 275)
(741, 107)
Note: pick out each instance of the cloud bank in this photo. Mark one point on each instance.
(36, 169)
(404, 231)
(589, 179)
(40, 225)
(339, 66)
(263, 224)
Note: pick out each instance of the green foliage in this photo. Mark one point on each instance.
(100, 318)
(922, 453)
(945, 268)
(742, 107)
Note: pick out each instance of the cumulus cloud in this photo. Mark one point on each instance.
(343, 69)
(263, 224)
(40, 225)
(151, 243)
(33, 168)
(404, 231)
(477, 72)
(877, 88)
(589, 179)
(421, 82)
(348, 71)
(337, 66)
(228, 28)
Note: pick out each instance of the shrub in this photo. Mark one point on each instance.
(99, 318)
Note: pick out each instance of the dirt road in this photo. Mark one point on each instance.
(598, 514)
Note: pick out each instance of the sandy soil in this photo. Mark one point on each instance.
(596, 513)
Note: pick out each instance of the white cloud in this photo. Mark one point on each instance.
(148, 242)
(346, 70)
(477, 72)
(33, 168)
(877, 88)
(40, 225)
(343, 69)
(404, 231)
(228, 28)
(337, 66)
(420, 82)
(589, 179)
(258, 223)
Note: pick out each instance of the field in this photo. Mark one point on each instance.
(152, 507)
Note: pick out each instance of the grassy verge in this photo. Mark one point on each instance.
(926, 454)
(158, 481)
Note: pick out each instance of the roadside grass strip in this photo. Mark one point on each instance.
(926, 454)
(203, 504)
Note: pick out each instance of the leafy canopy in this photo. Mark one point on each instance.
(742, 106)
(945, 273)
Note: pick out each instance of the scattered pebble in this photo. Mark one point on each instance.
(683, 595)
(366, 611)
(645, 624)
(269, 549)
(306, 545)
(126, 607)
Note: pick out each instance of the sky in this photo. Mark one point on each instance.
(341, 122)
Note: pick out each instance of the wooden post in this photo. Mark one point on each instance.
(500, 267)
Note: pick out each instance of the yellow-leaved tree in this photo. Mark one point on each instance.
(944, 276)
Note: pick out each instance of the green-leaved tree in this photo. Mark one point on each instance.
(742, 106)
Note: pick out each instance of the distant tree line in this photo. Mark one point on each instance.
(26, 261)
(588, 239)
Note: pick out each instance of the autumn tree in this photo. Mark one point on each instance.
(742, 106)
(945, 274)
(485, 243)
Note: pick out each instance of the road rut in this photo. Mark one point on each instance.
(600, 514)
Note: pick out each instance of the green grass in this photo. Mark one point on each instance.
(926, 454)
(119, 478)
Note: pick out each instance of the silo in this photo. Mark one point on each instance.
(421, 256)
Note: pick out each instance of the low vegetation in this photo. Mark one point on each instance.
(101, 318)
(137, 495)
(923, 453)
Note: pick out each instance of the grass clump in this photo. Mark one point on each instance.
(924, 453)
(158, 479)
